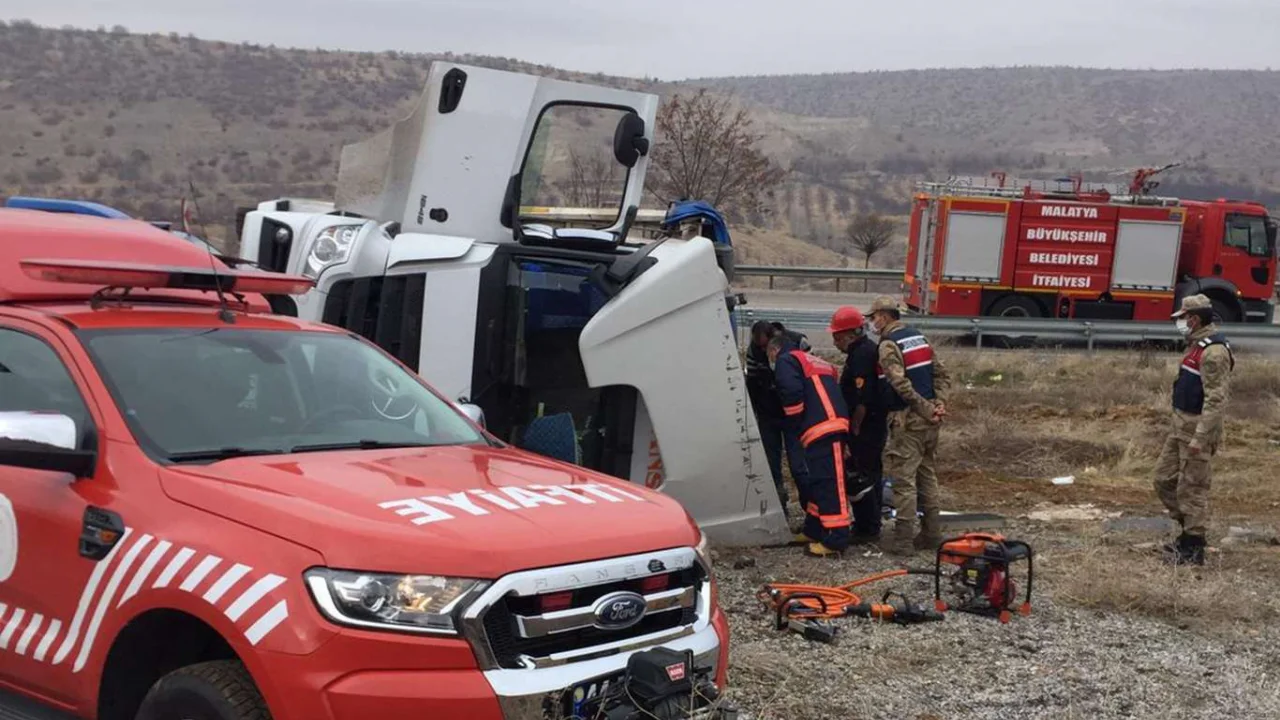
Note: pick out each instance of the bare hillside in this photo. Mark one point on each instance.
(132, 119)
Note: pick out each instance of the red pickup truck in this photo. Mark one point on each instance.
(209, 512)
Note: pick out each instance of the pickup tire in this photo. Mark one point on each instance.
(220, 690)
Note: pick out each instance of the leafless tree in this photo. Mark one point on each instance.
(869, 233)
(707, 150)
(591, 182)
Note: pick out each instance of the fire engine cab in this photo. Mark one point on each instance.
(1067, 249)
(209, 512)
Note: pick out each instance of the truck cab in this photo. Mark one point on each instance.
(577, 341)
(212, 512)
(1229, 254)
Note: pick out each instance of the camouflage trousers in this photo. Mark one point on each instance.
(909, 458)
(1182, 480)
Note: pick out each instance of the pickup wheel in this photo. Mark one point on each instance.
(220, 690)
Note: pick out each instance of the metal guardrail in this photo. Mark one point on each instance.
(772, 271)
(1089, 331)
(838, 274)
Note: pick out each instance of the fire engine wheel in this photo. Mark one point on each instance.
(1224, 311)
(220, 690)
(1016, 306)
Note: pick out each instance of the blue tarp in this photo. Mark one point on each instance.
(689, 209)
(75, 207)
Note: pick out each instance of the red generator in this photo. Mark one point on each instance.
(1066, 250)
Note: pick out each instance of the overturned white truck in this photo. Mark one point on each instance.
(574, 341)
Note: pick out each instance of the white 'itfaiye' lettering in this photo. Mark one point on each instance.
(1069, 211)
(1068, 236)
(437, 508)
(1040, 258)
(1074, 282)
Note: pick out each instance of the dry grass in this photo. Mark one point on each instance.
(1234, 591)
(1020, 419)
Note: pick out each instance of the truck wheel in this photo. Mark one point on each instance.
(220, 690)
(1224, 311)
(1016, 306)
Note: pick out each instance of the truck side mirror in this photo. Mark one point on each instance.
(472, 411)
(43, 441)
(629, 142)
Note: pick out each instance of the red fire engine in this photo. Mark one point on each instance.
(1068, 249)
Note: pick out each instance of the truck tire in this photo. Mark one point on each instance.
(1225, 312)
(220, 690)
(1016, 306)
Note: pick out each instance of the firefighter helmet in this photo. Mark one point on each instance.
(845, 319)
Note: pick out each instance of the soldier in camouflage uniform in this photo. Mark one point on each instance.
(914, 384)
(1200, 393)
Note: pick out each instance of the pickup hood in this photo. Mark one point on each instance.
(461, 511)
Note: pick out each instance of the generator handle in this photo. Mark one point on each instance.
(1030, 571)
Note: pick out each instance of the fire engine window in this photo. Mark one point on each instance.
(571, 164)
(1249, 233)
(34, 379)
(195, 394)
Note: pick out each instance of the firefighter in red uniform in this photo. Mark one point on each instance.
(814, 407)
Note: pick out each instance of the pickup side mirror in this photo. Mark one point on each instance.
(472, 411)
(43, 441)
(629, 142)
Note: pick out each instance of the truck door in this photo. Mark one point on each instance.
(1246, 256)
(51, 567)
(448, 167)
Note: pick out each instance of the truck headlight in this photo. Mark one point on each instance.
(410, 603)
(332, 247)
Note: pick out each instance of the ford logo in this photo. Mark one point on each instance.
(618, 611)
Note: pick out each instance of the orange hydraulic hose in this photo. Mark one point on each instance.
(837, 600)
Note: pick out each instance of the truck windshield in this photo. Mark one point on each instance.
(1249, 233)
(200, 395)
(570, 164)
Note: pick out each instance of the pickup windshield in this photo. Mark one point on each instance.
(200, 395)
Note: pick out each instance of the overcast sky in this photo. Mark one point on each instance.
(676, 39)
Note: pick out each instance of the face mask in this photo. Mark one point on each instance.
(1184, 327)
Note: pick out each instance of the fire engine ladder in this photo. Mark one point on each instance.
(1015, 188)
(930, 243)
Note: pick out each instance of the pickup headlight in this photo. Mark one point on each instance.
(332, 247)
(410, 603)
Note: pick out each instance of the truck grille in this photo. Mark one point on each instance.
(532, 629)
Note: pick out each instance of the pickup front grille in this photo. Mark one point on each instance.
(514, 631)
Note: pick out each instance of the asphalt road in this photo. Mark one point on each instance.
(761, 302)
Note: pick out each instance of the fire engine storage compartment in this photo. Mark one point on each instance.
(529, 376)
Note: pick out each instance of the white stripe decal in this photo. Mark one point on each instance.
(175, 565)
(3, 607)
(86, 597)
(30, 634)
(205, 567)
(229, 578)
(252, 596)
(926, 363)
(47, 642)
(108, 595)
(14, 622)
(145, 571)
(274, 617)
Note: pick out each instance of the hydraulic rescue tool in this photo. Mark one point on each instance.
(982, 583)
(807, 609)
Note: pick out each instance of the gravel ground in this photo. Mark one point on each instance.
(1064, 661)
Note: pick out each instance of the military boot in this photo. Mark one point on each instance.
(930, 536)
(900, 541)
(1191, 550)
